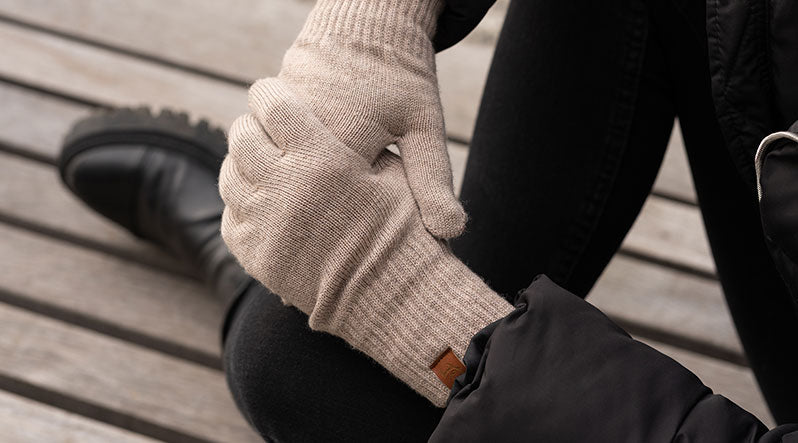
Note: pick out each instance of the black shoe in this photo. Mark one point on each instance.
(157, 177)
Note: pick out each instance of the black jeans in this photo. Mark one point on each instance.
(573, 126)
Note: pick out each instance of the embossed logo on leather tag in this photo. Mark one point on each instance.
(448, 367)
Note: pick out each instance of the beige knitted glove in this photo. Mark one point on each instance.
(341, 238)
(366, 68)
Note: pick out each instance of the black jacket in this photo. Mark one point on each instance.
(753, 60)
(556, 369)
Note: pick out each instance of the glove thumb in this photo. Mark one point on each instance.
(429, 175)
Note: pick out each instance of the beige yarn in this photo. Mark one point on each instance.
(340, 237)
(366, 68)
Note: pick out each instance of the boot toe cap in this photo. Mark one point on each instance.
(107, 179)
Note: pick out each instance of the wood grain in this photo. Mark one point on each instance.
(36, 122)
(673, 232)
(113, 374)
(107, 77)
(687, 308)
(675, 178)
(26, 421)
(116, 291)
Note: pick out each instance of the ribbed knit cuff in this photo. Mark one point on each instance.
(423, 303)
(397, 24)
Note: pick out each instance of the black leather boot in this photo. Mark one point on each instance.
(157, 177)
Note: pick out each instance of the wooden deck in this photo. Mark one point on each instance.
(104, 338)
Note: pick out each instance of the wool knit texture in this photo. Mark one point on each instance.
(366, 68)
(340, 237)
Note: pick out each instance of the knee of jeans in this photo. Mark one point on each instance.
(258, 376)
(247, 378)
(294, 384)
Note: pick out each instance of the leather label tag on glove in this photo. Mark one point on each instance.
(448, 367)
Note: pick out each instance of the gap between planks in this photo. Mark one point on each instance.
(115, 382)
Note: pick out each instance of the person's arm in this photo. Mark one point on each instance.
(557, 369)
(320, 212)
(340, 236)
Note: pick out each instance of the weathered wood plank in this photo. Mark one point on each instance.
(674, 177)
(246, 40)
(733, 382)
(124, 378)
(260, 32)
(691, 309)
(672, 232)
(116, 291)
(36, 122)
(25, 421)
(107, 77)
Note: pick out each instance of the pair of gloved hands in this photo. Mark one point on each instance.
(323, 215)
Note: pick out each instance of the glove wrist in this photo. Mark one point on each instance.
(423, 301)
(385, 24)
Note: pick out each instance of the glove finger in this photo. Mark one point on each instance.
(234, 186)
(251, 148)
(429, 174)
(286, 118)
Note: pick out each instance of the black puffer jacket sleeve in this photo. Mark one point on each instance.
(557, 370)
(458, 18)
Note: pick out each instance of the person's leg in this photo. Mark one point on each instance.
(295, 384)
(571, 132)
(759, 302)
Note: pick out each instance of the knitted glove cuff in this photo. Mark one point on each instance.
(389, 24)
(424, 302)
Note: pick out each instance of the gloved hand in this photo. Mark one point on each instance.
(338, 235)
(366, 69)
